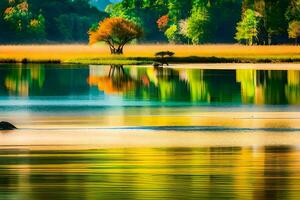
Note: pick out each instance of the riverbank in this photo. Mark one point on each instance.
(144, 54)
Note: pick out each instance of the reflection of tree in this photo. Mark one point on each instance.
(273, 84)
(292, 89)
(247, 78)
(276, 173)
(222, 86)
(117, 81)
(170, 87)
(198, 86)
(268, 87)
(166, 85)
(21, 80)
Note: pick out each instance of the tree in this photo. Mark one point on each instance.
(23, 22)
(247, 28)
(293, 11)
(274, 21)
(116, 32)
(18, 16)
(54, 20)
(292, 15)
(37, 27)
(172, 34)
(144, 13)
(163, 22)
(294, 30)
(183, 27)
(196, 24)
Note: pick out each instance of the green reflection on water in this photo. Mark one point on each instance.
(242, 86)
(169, 173)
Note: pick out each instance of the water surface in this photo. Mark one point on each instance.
(133, 132)
(135, 96)
(151, 173)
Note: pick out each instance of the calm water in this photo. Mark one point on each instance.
(169, 173)
(52, 103)
(54, 87)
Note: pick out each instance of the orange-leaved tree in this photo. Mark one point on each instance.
(162, 22)
(116, 32)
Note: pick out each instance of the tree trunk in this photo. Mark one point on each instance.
(116, 51)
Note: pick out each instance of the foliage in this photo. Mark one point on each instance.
(293, 16)
(144, 13)
(172, 34)
(183, 27)
(196, 24)
(294, 30)
(163, 22)
(21, 20)
(36, 20)
(247, 28)
(293, 11)
(37, 27)
(116, 32)
(164, 53)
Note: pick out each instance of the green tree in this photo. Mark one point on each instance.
(54, 20)
(274, 20)
(293, 11)
(178, 9)
(294, 30)
(18, 16)
(172, 34)
(22, 21)
(196, 24)
(37, 27)
(247, 28)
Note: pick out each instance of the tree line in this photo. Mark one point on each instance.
(24, 21)
(214, 21)
(175, 21)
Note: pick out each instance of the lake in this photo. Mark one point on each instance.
(136, 132)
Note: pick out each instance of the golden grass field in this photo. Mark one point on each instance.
(69, 53)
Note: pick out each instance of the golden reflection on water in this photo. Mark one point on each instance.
(150, 173)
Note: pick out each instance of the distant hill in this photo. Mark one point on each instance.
(101, 4)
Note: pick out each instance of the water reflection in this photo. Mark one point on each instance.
(116, 82)
(21, 81)
(193, 86)
(169, 173)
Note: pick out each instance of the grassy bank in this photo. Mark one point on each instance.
(144, 54)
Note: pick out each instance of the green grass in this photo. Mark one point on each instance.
(110, 61)
(150, 60)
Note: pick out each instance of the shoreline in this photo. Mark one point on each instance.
(150, 60)
(179, 66)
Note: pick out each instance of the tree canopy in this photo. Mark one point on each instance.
(247, 28)
(116, 32)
